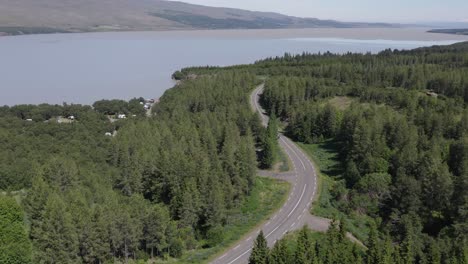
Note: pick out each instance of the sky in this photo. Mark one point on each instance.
(403, 11)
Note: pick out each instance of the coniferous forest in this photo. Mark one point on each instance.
(399, 122)
(160, 185)
(155, 189)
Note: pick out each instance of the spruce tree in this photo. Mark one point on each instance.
(342, 228)
(61, 173)
(331, 246)
(57, 241)
(260, 251)
(407, 246)
(304, 250)
(279, 254)
(268, 155)
(155, 225)
(373, 245)
(35, 204)
(15, 247)
(270, 143)
(388, 251)
(98, 241)
(434, 256)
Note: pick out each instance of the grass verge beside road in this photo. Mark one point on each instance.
(267, 197)
(283, 164)
(329, 171)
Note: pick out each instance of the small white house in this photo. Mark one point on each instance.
(121, 116)
(109, 134)
(71, 117)
(29, 120)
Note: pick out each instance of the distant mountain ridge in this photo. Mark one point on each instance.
(48, 16)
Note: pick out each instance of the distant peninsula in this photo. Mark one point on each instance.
(455, 31)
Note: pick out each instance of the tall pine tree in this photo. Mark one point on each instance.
(260, 251)
(15, 247)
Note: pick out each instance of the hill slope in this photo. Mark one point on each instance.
(45, 16)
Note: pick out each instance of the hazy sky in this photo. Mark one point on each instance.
(357, 10)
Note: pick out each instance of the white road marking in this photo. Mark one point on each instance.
(239, 256)
(272, 231)
(300, 198)
(300, 160)
(288, 150)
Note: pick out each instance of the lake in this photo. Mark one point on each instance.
(83, 68)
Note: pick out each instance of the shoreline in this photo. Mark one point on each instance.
(372, 33)
(85, 67)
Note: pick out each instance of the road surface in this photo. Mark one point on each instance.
(295, 212)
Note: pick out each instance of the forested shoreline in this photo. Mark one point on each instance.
(166, 184)
(160, 186)
(398, 121)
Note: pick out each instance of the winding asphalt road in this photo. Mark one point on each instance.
(295, 212)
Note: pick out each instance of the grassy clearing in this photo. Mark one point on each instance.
(341, 102)
(325, 157)
(267, 197)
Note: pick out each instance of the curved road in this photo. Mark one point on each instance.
(295, 212)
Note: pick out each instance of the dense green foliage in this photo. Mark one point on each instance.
(169, 183)
(307, 247)
(260, 250)
(112, 107)
(402, 140)
(29, 145)
(15, 247)
(269, 144)
(160, 186)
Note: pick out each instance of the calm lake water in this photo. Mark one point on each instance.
(83, 68)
